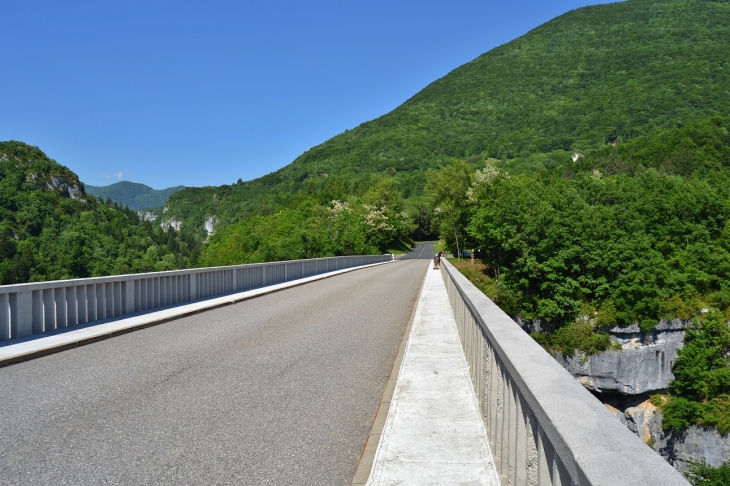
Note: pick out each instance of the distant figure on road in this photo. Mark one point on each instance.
(437, 261)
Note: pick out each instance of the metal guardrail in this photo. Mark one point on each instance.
(544, 428)
(34, 308)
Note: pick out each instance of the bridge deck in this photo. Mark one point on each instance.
(433, 433)
(281, 389)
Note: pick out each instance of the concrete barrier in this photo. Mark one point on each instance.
(35, 308)
(544, 428)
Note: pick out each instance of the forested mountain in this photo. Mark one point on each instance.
(591, 77)
(133, 195)
(51, 229)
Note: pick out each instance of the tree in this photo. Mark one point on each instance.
(447, 190)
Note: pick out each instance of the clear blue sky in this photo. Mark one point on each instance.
(202, 93)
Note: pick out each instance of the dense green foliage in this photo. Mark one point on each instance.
(635, 232)
(323, 221)
(50, 229)
(596, 75)
(478, 275)
(700, 391)
(700, 474)
(133, 195)
(580, 336)
(632, 248)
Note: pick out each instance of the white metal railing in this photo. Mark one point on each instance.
(544, 428)
(34, 308)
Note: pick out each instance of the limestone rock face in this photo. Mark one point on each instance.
(66, 189)
(210, 225)
(147, 216)
(623, 380)
(691, 444)
(171, 223)
(644, 364)
(639, 418)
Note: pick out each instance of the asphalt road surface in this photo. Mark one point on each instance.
(422, 251)
(281, 389)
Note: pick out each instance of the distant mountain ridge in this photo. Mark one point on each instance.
(134, 195)
(52, 229)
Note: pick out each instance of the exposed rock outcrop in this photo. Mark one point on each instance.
(171, 223)
(691, 444)
(677, 447)
(210, 225)
(623, 381)
(147, 216)
(65, 189)
(643, 365)
(637, 415)
(62, 186)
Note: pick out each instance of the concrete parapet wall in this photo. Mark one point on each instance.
(544, 428)
(35, 308)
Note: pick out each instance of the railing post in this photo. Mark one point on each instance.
(59, 307)
(24, 322)
(5, 315)
(129, 296)
(520, 451)
(499, 438)
(71, 307)
(545, 455)
(82, 316)
(118, 296)
(49, 311)
(109, 299)
(508, 448)
(91, 302)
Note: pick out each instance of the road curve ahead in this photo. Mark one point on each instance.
(281, 389)
(423, 250)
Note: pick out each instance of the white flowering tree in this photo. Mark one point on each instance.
(450, 189)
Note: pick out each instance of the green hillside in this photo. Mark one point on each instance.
(634, 230)
(591, 77)
(133, 195)
(51, 229)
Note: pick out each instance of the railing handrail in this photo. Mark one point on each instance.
(39, 307)
(46, 284)
(594, 447)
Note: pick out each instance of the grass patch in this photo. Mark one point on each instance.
(439, 246)
(400, 246)
(578, 336)
(477, 275)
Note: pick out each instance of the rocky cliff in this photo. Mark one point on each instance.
(623, 381)
(691, 444)
(643, 365)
